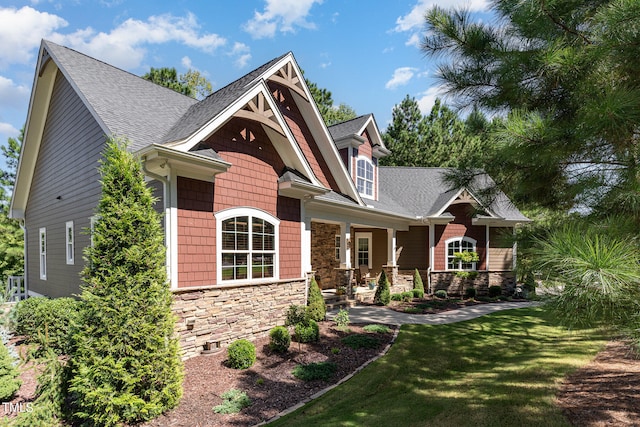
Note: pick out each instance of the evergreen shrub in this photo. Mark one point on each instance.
(241, 354)
(296, 314)
(383, 292)
(441, 293)
(316, 308)
(279, 339)
(470, 293)
(9, 374)
(417, 282)
(418, 293)
(307, 332)
(495, 291)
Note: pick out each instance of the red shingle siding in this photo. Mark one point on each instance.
(459, 227)
(303, 135)
(196, 233)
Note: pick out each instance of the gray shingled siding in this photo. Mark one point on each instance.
(67, 163)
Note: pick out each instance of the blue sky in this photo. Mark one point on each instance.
(365, 52)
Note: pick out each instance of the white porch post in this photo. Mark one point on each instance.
(345, 244)
(171, 227)
(305, 242)
(391, 247)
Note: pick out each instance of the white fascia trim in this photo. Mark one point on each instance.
(377, 144)
(455, 196)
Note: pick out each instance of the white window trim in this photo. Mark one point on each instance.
(92, 226)
(338, 246)
(459, 239)
(373, 177)
(369, 237)
(250, 212)
(42, 249)
(69, 242)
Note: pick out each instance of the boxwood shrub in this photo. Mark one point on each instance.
(241, 354)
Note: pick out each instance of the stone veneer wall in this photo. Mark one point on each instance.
(448, 281)
(323, 254)
(225, 314)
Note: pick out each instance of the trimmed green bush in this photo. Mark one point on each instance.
(279, 339)
(307, 332)
(440, 293)
(47, 322)
(241, 354)
(126, 366)
(495, 291)
(357, 341)
(9, 380)
(396, 297)
(315, 371)
(417, 282)
(316, 308)
(234, 401)
(418, 293)
(383, 292)
(470, 293)
(407, 296)
(296, 314)
(378, 329)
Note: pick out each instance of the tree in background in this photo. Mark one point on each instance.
(440, 139)
(192, 83)
(11, 235)
(564, 73)
(330, 114)
(125, 367)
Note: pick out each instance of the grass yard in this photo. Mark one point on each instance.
(498, 370)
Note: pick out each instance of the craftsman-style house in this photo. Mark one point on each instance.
(256, 193)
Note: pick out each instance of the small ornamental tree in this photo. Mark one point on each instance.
(125, 367)
(417, 281)
(383, 291)
(316, 308)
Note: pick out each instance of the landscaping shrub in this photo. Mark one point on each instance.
(241, 354)
(383, 293)
(440, 293)
(407, 296)
(126, 365)
(396, 297)
(418, 293)
(342, 318)
(234, 401)
(47, 322)
(378, 329)
(495, 291)
(9, 380)
(316, 308)
(296, 314)
(357, 341)
(279, 339)
(315, 371)
(417, 282)
(470, 293)
(307, 332)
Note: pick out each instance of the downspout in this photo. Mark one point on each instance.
(24, 265)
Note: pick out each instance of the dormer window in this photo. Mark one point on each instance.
(364, 177)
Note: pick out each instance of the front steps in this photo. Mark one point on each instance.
(336, 302)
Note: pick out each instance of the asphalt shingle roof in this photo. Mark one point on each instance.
(350, 127)
(127, 104)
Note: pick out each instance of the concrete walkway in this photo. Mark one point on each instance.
(384, 315)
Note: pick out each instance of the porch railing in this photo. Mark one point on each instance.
(16, 288)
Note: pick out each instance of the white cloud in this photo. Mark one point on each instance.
(242, 52)
(8, 131)
(12, 95)
(427, 98)
(21, 32)
(401, 77)
(415, 19)
(186, 62)
(124, 45)
(282, 15)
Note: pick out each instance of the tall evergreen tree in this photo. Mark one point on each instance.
(404, 136)
(126, 366)
(11, 235)
(329, 112)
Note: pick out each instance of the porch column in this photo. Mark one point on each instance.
(305, 243)
(345, 244)
(391, 246)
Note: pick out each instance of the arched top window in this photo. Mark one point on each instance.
(364, 177)
(247, 245)
(458, 245)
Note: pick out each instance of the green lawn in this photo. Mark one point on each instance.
(497, 370)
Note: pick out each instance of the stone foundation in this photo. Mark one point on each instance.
(448, 281)
(225, 314)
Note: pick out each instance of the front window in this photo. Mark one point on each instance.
(364, 177)
(43, 253)
(248, 245)
(69, 242)
(457, 246)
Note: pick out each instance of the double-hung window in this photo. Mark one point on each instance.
(247, 245)
(364, 177)
(457, 245)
